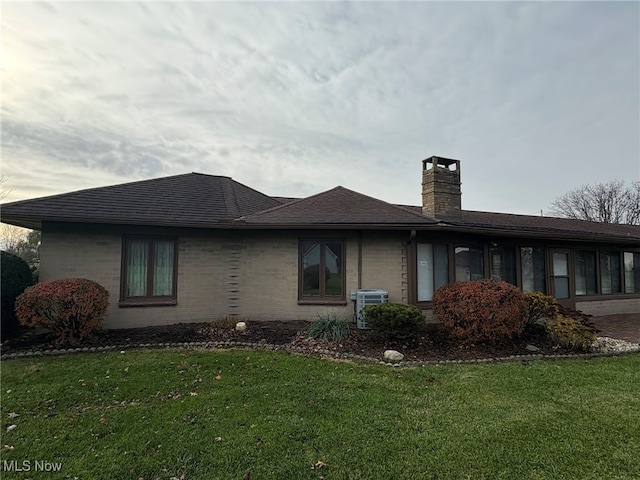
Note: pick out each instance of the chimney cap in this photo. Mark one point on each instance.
(441, 161)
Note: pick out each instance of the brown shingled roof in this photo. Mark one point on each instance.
(338, 206)
(183, 200)
(538, 225)
(208, 201)
(549, 225)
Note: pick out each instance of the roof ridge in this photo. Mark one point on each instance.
(229, 197)
(277, 207)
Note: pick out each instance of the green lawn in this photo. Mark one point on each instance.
(222, 414)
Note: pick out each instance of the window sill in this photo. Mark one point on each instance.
(149, 302)
(322, 301)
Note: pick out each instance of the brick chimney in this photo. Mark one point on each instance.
(441, 195)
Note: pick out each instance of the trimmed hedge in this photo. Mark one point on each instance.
(393, 319)
(16, 276)
(481, 310)
(73, 308)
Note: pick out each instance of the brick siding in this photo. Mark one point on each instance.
(610, 306)
(248, 274)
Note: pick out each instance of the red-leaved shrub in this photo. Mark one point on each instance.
(73, 307)
(482, 310)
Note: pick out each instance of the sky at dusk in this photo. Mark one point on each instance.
(296, 98)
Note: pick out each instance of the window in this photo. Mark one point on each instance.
(433, 269)
(610, 274)
(632, 272)
(533, 270)
(149, 271)
(585, 272)
(469, 263)
(321, 275)
(503, 263)
(560, 273)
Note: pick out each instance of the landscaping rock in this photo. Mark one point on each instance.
(392, 356)
(613, 345)
(531, 348)
(241, 326)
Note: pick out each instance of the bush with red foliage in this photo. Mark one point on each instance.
(73, 308)
(482, 310)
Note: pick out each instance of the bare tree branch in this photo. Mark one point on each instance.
(604, 202)
(5, 189)
(11, 236)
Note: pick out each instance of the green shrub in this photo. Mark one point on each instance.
(541, 306)
(481, 310)
(329, 328)
(73, 308)
(570, 333)
(393, 319)
(16, 276)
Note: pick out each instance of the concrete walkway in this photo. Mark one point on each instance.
(624, 326)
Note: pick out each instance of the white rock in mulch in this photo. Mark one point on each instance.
(241, 326)
(613, 345)
(531, 348)
(392, 356)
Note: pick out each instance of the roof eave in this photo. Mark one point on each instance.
(35, 223)
(547, 234)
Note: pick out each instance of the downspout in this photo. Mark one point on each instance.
(359, 259)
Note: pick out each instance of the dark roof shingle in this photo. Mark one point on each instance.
(208, 201)
(338, 206)
(191, 199)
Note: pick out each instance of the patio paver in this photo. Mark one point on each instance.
(624, 326)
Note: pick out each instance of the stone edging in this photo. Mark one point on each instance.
(311, 351)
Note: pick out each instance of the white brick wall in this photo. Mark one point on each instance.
(250, 274)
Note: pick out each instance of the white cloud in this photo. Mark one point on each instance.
(294, 98)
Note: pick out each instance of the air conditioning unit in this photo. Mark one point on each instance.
(364, 298)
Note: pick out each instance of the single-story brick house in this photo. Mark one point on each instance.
(193, 247)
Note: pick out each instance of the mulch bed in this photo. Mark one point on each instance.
(430, 345)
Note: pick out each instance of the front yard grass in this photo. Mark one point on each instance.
(225, 414)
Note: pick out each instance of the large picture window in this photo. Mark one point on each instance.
(503, 263)
(532, 261)
(433, 269)
(149, 270)
(321, 275)
(610, 274)
(585, 272)
(469, 263)
(632, 272)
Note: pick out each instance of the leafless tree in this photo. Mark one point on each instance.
(11, 236)
(604, 202)
(4, 188)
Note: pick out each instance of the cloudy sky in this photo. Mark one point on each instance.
(296, 98)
